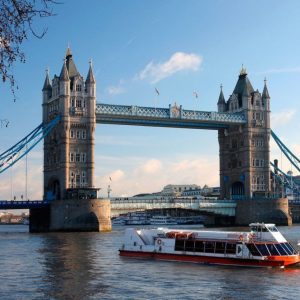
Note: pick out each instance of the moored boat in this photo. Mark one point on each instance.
(162, 220)
(262, 246)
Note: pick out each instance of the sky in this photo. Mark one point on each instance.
(175, 46)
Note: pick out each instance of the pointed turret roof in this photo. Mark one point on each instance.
(64, 74)
(47, 83)
(72, 70)
(221, 97)
(265, 93)
(243, 86)
(90, 77)
(68, 52)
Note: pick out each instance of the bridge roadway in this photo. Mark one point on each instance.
(122, 205)
(17, 204)
(125, 205)
(174, 116)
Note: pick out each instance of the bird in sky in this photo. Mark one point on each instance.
(157, 92)
(195, 94)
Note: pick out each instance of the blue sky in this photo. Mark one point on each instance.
(178, 47)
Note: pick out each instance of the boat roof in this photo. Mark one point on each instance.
(262, 225)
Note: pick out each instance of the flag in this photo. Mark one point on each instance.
(157, 92)
(195, 94)
(110, 178)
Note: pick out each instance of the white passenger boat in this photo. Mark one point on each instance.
(162, 220)
(119, 221)
(138, 218)
(262, 246)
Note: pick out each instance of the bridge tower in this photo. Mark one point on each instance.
(245, 157)
(69, 155)
(245, 150)
(68, 150)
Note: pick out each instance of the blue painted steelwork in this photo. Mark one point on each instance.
(9, 157)
(23, 204)
(174, 116)
(286, 179)
(290, 156)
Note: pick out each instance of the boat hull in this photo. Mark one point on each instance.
(273, 261)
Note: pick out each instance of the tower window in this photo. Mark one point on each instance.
(83, 157)
(78, 134)
(78, 103)
(78, 87)
(83, 134)
(72, 135)
(77, 157)
(71, 157)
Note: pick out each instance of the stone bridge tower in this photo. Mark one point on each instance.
(245, 150)
(69, 148)
(69, 156)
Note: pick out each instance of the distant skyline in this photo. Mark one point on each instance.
(155, 53)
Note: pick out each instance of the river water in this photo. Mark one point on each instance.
(87, 266)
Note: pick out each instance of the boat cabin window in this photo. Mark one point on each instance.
(272, 249)
(253, 250)
(179, 245)
(263, 249)
(209, 247)
(280, 249)
(273, 229)
(258, 229)
(289, 248)
(205, 246)
(189, 245)
(230, 248)
(199, 246)
(220, 247)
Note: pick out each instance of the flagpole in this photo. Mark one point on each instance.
(156, 99)
(196, 97)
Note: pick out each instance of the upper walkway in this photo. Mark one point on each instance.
(174, 116)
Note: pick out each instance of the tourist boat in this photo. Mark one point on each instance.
(138, 218)
(162, 220)
(119, 221)
(262, 246)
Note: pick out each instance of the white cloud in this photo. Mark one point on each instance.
(282, 118)
(151, 167)
(148, 176)
(179, 61)
(115, 90)
(116, 175)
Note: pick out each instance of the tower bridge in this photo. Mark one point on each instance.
(243, 124)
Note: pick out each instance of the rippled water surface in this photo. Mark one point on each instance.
(87, 266)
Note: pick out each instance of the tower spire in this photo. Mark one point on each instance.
(47, 84)
(221, 96)
(265, 93)
(90, 77)
(64, 72)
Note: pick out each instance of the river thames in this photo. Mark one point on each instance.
(88, 266)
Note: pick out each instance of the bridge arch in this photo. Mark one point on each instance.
(237, 189)
(53, 189)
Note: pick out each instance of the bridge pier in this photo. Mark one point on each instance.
(263, 210)
(72, 215)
